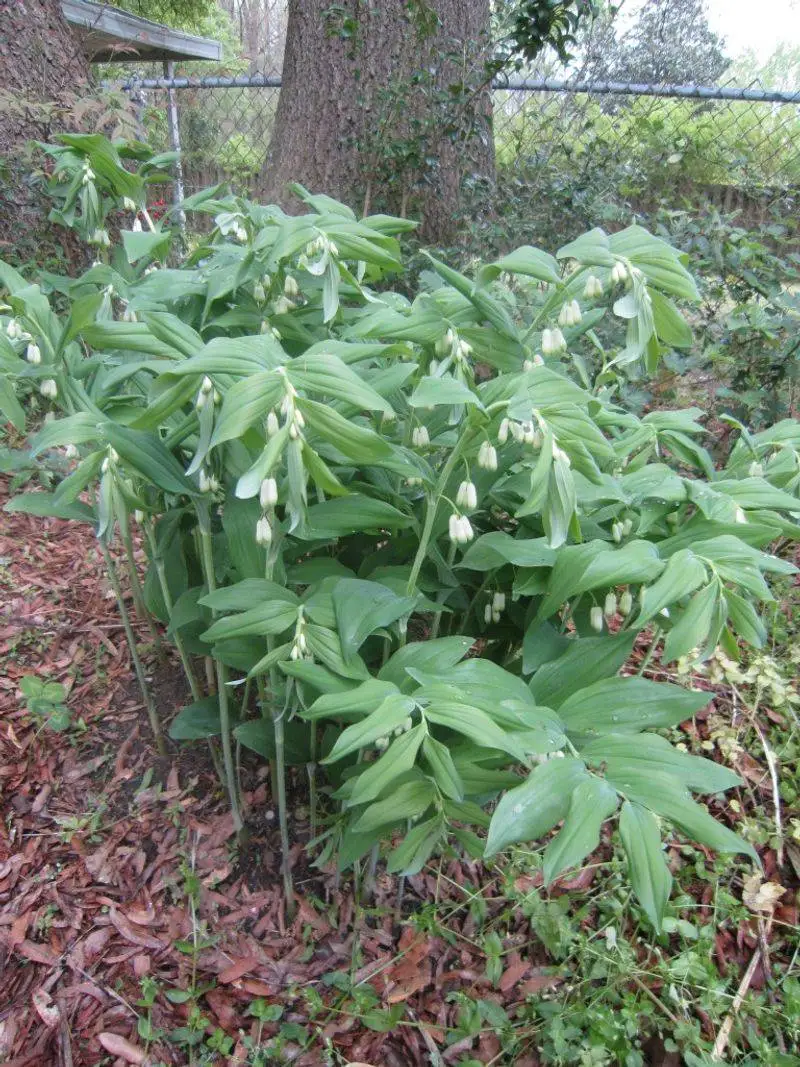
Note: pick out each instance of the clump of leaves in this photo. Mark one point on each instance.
(420, 530)
(45, 702)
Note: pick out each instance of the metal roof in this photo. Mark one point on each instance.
(108, 34)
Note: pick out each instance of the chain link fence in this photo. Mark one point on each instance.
(635, 144)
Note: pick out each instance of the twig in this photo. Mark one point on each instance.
(776, 794)
(724, 1035)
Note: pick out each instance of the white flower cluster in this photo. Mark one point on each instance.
(487, 456)
(495, 608)
(208, 483)
(618, 273)
(553, 342)
(594, 287)
(460, 529)
(420, 437)
(570, 314)
(467, 496)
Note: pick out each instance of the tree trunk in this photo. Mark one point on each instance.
(41, 66)
(385, 104)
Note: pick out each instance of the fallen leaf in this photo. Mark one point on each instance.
(137, 935)
(120, 1046)
(761, 896)
(238, 969)
(45, 1008)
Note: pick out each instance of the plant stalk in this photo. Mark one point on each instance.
(191, 677)
(222, 675)
(136, 586)
(152, 714)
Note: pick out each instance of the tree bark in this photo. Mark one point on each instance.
(41, 68)
(385, 104)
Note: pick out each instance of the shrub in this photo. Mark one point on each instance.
(408, 527)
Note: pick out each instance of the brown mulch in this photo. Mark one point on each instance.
(99, 839)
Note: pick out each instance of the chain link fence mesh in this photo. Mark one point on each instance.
(734, 147)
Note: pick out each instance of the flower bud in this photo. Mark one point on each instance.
(740, 515)
(596, 618)
(499, 602)
(487, 614)
(627, 526)
(575, 312)
(548, 345)
(203, 481)
(128, 204)
(263, 531)
(594, 287)
(136, 225)
(420, 437)
(626, 603)
(138, 516)
(49, 388)
(610, 606)
(467, 496)
(294, 433)
(517, 432)
(302, 642)
(502, 433)
(12, 329)
(558, 341)
(259, 294)
(382, 743)
(268, 494)
(290, 287)
(466, 533)
(487, 457)
(71, 452)
(755, 470)
(33, 354)
(565, 315)
(560, 454)
(272, 424)
(296, 654)
(616, 532)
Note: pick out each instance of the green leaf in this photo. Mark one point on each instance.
(396, 761)
(664, 795)
(534, 807)
(476, 725)
(671, 326)
(197, 721)
(358, 443)
(591, 803)
(259, 735)
(647, 865)
(682, 575)
(447, 390)
(325, 374)
(652, 752)
(438, 758)
(10, 407)
(46, 505)
(247, 594)
(325, 645)
(437, 655)
(147, 453)
(407, 801)
(345, 515)
(629, 705)
(145, 244)
(272, 617)
(526, 260)
(494, 549)
(416, 848)
(352, 703)
(239, 518)
(692, 626)
(587, 660)
(382, 722)
(245, 403)
(363, 607)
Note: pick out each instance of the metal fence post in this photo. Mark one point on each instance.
(175, 144)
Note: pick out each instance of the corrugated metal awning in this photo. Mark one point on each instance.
(108, 35)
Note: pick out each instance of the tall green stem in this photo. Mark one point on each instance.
(432, 508)
(441, 596)
(152, 714)
(222, 671)
(136, 586)
(161, 571)
(280, 762)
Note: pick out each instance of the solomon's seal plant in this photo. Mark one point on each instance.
(413, 539)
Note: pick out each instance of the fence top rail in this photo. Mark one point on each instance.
(524, 85)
